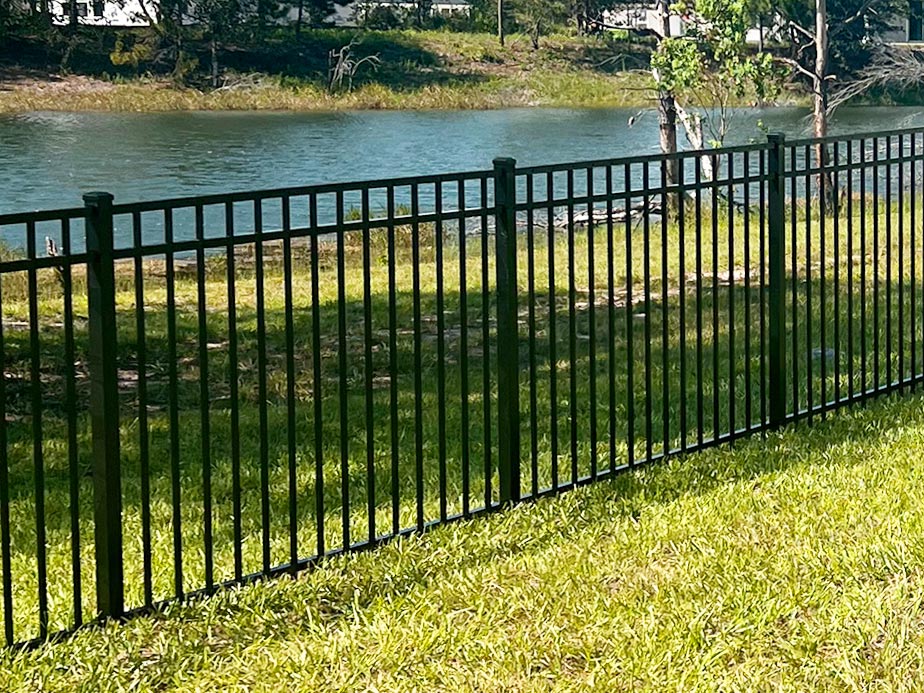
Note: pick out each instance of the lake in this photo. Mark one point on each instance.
(48, 160)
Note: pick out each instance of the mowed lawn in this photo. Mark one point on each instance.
(794, 562)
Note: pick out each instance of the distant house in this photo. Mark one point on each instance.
(642, 18)
(138, 13)
(911, 29)
(122, 13)
(353, 13)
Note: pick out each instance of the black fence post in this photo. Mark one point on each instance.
(777, 251)
(508, 356)
(104, 406)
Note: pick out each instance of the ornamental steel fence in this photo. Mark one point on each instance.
(206, 391)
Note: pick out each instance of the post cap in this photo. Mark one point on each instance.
(775, 137)
(504, 161)
(97, 197)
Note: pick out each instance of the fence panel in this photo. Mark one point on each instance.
(642, 315)
(289, 375)
(46, 491)
(855, 268)
(314, 375)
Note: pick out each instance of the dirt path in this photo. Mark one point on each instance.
(23, 79)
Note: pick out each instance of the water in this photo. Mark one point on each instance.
(47, 160)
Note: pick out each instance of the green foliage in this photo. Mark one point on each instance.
(711, 65)
(678, 63)
(133, 50)
(535, 17)
(220, 18)
(380, 17)
(8, 17)
(312, 12)
(713, 53)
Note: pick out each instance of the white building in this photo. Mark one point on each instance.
(124, 13)
(352, 13)
(911, 30)
(643, 18)
(139, 13)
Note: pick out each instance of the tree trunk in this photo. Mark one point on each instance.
(178, 68)
(583, 13)
(819, 87)
(213, 49)
(760, 38)
(820, 99)
(500, 21)
(693, 126)
(667, 112)
(300, 18)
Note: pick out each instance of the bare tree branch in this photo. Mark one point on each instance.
(794, 64)
(802, 30)
(890, 66)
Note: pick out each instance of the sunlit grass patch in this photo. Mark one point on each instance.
(791, 562)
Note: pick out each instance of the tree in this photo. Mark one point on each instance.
(891, 68)
(167, 19)
(854, 29)
(587, 15)
(536, 16)
(9, 17)
(220, 19)
(312, 13)
(500, 21)
(817, 73)
(711, 68)
(831, 41)
(759, 13)
(422, 10)
(667, 104)
(379, 17)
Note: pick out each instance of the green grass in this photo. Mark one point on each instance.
(791, 563)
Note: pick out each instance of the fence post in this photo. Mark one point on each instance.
(508, 356)
(104, 406)
(777, 252)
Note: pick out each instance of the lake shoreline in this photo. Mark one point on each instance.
(537, 89)
(81, 94)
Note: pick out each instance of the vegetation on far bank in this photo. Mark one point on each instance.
(418, 70)
(421, 60)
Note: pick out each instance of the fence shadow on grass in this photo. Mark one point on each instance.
(442, 467)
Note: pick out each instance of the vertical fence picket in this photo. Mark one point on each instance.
(6, 552)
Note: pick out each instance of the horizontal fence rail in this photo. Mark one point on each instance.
(202, 392)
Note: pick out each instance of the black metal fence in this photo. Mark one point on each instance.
(206, 391)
